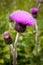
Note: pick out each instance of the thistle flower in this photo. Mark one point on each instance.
(7, 38)
(22, 19)
(34, 12)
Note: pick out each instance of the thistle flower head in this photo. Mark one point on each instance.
(7, 38)
(22, 17)
(34, 10)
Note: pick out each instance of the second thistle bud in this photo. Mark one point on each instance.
(7, 38)
(34, 12)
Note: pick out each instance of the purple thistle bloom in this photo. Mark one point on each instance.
(6, 35)
(7, 38)
(22, 18)
(33, 10)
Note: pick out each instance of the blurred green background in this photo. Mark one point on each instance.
(26, 51)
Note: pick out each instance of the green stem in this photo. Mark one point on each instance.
(11, 54)
(38, 4)
(15, 49)
(36, 43)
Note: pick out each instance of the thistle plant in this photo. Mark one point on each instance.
(34, 12)
(21, 19)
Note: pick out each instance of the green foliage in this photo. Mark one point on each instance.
(26, 51)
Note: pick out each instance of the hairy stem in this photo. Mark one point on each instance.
(36, 43)
(15, 49)
(38, 4)
(11, 54)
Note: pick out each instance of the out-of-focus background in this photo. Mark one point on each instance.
(25, 50)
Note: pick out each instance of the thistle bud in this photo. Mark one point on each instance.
(34, 12)
(7, 38)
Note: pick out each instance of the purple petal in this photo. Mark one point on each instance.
(22, 17)
(33, 10)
